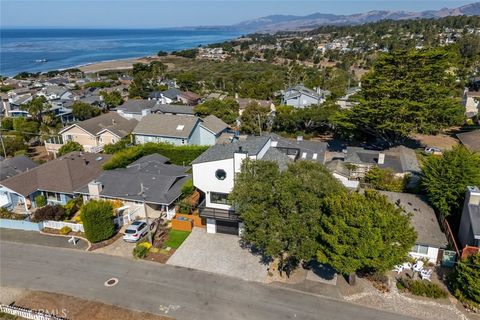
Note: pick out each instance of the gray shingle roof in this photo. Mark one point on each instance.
(162, 182)
(225, 151)
(111, 121)
(171, 93)
(279, 157)
(12, 166)
(423, 219)
(214, 124)
(471, 140)
(400, 159)
(167, 125)
(173, 109)
(301, 149)
(136, 105)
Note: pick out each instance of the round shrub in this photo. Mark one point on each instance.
(40, 201)
(49, 212)
(65, 230)
(141, 250)
(97, 217)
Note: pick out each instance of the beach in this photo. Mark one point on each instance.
(120, 64)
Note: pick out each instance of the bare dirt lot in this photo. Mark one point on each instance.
(79, 309)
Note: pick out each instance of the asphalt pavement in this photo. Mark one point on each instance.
(177, 292)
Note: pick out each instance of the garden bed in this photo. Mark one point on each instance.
(161, 256)
(105, 243)
(57, 231)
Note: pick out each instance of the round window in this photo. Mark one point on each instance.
(220, 174)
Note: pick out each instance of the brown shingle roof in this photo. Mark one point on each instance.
(65, 174)
(111, 121)
(166, 125)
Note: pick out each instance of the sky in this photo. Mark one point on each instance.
(167, 13)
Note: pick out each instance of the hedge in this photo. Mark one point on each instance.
(97, 217)
(421, 288)
(179, 155)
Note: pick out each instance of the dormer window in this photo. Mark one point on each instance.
(220, 174)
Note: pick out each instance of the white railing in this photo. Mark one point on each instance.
(60, 224)
(28, 313)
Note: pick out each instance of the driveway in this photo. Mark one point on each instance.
(118, 248)
(219, 253)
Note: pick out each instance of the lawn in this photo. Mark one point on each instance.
(175, 238)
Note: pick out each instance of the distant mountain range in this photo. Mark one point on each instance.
(276, 23)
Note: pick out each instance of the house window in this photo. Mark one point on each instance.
(219, 198)
(113, 140)
(69, 137)
(53, 196)
(220, 174)
(420, 249)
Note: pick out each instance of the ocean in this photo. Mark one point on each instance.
(38, 50)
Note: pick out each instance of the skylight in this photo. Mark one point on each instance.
(180, 127)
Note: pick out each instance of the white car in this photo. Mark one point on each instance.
(433, 150)
(136, 231)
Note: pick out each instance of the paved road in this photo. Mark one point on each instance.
(43, 239)
(178, 292)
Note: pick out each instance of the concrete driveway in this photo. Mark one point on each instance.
(219, 253)
(118, 248)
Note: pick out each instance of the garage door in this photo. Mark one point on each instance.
(227, 227)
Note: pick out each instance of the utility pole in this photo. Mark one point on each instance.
(3, 145)
(142, 193)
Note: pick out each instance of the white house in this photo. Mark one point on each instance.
(431, 241)
(213, 175)
(300, 97)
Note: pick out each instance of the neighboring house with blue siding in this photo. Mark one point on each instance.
(179, 129)
(57, 180)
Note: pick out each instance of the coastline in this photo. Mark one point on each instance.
(115, 64)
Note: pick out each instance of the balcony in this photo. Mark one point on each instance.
(53, 144)
(219, 214)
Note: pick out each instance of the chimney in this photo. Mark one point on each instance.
(381, 158)
(473, 196)
(238, 158)
(94, 189)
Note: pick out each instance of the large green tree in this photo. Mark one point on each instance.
(466, 279)
(112, 99)
(84, 111)
(280, 210)
(227, 109)
(445, 178)
(363, 233)
(406, 92)
(36, 107)
(68, 147)
(254, 118)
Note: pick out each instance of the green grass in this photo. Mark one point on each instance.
(175, 238)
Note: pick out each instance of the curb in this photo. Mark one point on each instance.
(66, 236)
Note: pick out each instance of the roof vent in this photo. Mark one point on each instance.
(98, 158)
(180, 127)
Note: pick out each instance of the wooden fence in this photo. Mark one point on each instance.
(28, 313)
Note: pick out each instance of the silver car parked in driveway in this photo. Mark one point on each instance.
(136, 231)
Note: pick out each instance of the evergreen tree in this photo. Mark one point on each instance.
(407, 92)
(466, 279)
(445, 179)
(363, 233)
